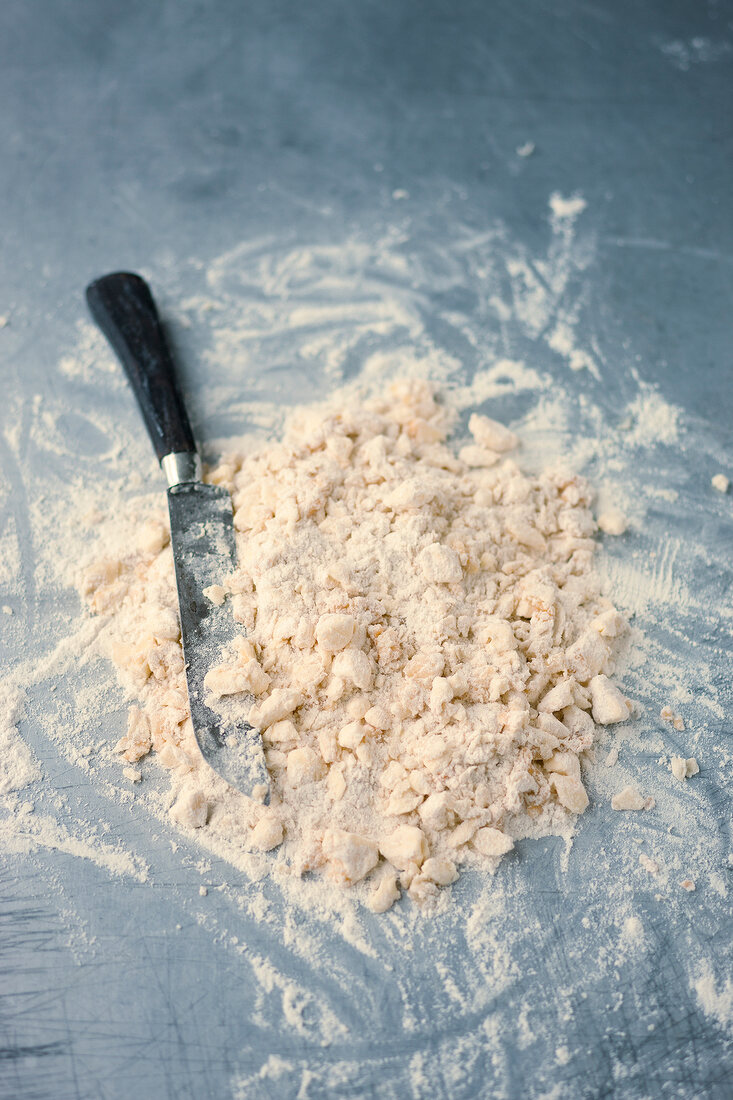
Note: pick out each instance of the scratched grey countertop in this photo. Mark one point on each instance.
(154, 136)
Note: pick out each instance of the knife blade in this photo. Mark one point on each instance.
(201, 521)
(202, 537)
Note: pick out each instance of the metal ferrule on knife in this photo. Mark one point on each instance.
(180, 467)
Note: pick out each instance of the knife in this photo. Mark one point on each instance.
(202, 528)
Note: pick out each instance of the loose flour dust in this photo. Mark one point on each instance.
(419, 635)
(495, 324)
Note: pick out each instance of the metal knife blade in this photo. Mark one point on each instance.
(204, 551)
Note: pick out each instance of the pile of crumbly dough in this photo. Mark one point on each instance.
(418, 633)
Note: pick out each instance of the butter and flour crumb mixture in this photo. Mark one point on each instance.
(417, 630)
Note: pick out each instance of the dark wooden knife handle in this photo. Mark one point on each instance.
(123, 307)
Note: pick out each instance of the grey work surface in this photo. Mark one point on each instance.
(143, 135)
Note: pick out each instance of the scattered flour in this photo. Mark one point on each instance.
(716, 1000)
(651, 417)
(684, 53)
(26, 831)
(566, 208)
(285, 322)
(632, 931)
(18, 768)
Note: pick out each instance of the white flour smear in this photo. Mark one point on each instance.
(716, 998)
(563, 924)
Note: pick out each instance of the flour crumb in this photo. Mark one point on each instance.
(630, 799)
(384, 894)
(7, 609)
(688, 884)
(721, 483)
(676, 720)
(190, 809)
(649, 864)
(566, 208)
(525, 150)
(216, 594)
(608, 705)
(133, 774)
(613, 522)
(203, 891)
(612, 758)
(267, 833)
(682, 768)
